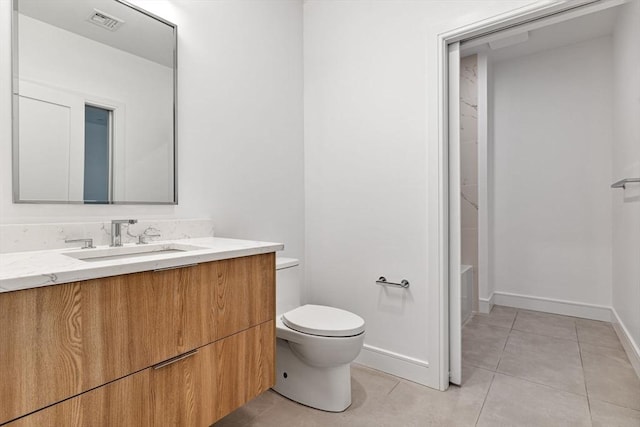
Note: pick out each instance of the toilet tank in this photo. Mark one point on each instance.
(288, 285)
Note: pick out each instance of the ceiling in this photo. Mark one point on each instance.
(564, 33)
(140, 34)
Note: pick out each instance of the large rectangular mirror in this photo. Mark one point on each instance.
(93, 103)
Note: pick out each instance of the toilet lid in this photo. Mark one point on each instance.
(323, 321)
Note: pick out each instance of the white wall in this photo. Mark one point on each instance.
(240, 116)
(371, 168)
(552, 119)
(240, 150)
(626, 164)
(95, 72)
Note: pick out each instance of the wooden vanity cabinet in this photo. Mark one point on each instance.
(93, 346)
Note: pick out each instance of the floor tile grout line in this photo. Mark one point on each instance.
(539, 383)
(617, 405)
(587, 388)
(565, 340)
(595, 353)
(621, 349)
(482, 323)
(484, 401)
(548, 336)
(503, 348)
(584, 376)
(542, 384)
(394, 387)
(479, 367)
(513, 323)
(583, 372)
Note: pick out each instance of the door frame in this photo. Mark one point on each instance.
(536, 15)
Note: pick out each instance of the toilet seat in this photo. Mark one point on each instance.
(323, 321)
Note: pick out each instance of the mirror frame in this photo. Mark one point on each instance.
(15, 143)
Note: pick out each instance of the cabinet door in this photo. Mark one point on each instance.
(124, 402)
(244, 292)
(204, 386)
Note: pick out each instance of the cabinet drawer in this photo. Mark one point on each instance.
(244, 292)
(124, 403)
(220, 377)
(196, 390)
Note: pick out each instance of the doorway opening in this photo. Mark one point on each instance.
(529, 162)
(98, 143)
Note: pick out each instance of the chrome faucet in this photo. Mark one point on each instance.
(116, 235)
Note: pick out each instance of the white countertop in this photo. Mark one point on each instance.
(24, 270)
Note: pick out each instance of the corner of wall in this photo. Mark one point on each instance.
(486, 304)
(630, 346)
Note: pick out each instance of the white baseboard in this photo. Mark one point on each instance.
(552, 305)
(485, 304)
(629, 344)
(402, 366)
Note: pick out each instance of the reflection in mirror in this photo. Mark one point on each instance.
(93, 103)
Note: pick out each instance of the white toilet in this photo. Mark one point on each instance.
(315, 345)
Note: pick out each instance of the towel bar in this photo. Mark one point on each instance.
(623, 183)
(383, 281)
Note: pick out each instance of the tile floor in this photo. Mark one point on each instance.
(520, 368)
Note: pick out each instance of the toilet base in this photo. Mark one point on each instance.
(328, 389)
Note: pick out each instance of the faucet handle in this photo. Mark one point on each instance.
(142, 238)
(124, 221)
(87, 243)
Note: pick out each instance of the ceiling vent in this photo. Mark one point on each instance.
(105, 20)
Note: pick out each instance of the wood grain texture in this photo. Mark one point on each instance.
(244, 292)
(181, 393)
(41, 349)
(59, 341)
(65, 339)
(141, 319)
(196, 391)
(203, 388)
(245, 367)
(122, 403)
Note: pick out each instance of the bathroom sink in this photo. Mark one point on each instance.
(124, 252)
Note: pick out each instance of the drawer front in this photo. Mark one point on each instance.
(244, 292)
(204, 386)
(131, 322)
(41, 353)
(245, 367)
(69, 338)
(125, 402)
(194, 389)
